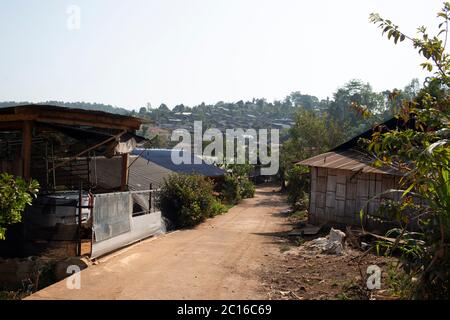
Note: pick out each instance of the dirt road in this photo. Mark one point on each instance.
(220, 259)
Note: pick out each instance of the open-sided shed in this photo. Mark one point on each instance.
(36, 140)
(55, 146)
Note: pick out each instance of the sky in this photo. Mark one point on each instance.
(129, 53)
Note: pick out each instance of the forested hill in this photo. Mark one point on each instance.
(259, 113)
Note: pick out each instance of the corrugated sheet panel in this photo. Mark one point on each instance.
(107, 173)
(350, 159)
(163, 158)
(144, 172)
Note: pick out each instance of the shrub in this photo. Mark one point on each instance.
(237, 185)
(231, 189)
(15, 195)
(217, 208)
(297, 188)
(247, 188)
(186, 200)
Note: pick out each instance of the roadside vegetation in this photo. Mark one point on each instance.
(298, 187)
(187, 200)
(237, 185)
(422, 152)
(15, 195)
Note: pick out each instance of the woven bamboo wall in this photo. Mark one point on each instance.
(337, 196)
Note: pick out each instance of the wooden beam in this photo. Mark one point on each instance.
(27, 129)
(124, 177)
(17, 117)
(90, 118)
(87, 150)
(70, 122)
(73, 117)
(15, 125)
(93, 119)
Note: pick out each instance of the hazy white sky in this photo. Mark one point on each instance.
(128, 53)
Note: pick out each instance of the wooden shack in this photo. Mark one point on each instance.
(344, 180)
(342, 183)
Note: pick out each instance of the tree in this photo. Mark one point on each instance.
(311, 134)
(179, 108)
(157, 142)
(15, 195)
(422, 152)
(356, 93)
(163, 107)
(303, 100)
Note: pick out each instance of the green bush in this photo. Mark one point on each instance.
(247, 188)
(186, 200)
(297, 187)
(231, 189)
(15, 195)
(217, 208)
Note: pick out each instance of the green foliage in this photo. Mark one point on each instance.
(187, 200)
(231, 189)
(247, 188)
(237, 185)
(15, 195)
(360, 97)
(310, 135)
(297, 187)
(422, 153)
(400, 284)
(218, 208)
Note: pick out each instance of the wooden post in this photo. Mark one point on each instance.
(150, 202)
(124, 180)
(80, 212)
(27, 129)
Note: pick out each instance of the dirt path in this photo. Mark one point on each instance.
(220, 259)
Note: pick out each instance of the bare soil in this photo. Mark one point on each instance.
(303, 273)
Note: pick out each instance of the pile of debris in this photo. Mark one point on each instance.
(331, 244)
(336, 240)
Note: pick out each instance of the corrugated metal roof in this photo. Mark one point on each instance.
(142, 173)
(350, 159)
(163, 158)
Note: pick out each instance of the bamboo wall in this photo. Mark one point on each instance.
(337, 196)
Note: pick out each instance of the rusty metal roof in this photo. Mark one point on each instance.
(350, 159)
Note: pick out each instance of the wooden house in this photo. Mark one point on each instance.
(344, 180)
